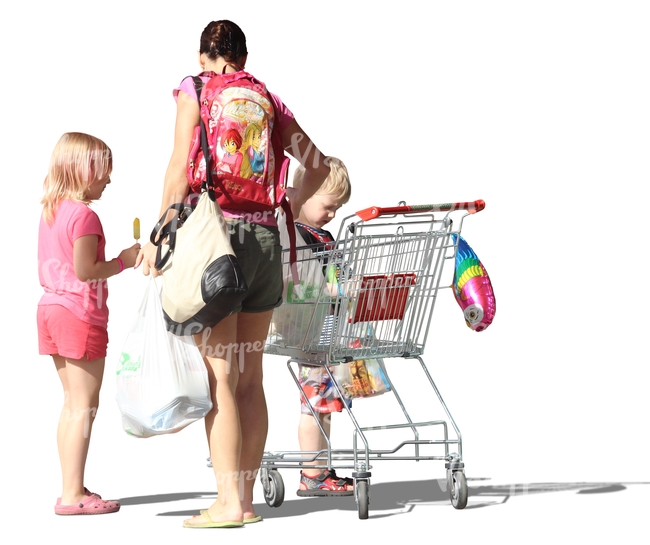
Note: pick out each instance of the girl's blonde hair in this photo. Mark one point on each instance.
(337, 182)
(77, 161)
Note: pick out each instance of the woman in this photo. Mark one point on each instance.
(237, 425)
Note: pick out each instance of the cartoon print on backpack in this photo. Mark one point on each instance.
(253, 153)
(230, 159)
(252, 114)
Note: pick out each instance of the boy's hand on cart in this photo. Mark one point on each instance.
(332, 289)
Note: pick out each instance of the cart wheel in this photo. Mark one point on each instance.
(458, 490)
(363, 497)
(273, 486)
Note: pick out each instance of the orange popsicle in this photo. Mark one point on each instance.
(136, 229)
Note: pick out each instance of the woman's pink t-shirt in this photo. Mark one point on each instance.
(86, 300)
(283, 119)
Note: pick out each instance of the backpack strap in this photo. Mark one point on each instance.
(291, 231)
(207, 183)
(198, 87)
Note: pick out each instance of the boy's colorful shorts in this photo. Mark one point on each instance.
(61, 332)
(320, 391)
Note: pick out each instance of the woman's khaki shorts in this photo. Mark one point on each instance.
(259, 253)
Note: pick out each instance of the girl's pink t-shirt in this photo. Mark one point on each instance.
(86, 300)
(283, 119)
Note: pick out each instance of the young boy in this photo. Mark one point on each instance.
(317, 212)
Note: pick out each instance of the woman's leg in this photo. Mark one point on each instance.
(81, 382)
(252, 329)
(222, 422)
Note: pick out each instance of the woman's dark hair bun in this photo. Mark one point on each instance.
(223, 39)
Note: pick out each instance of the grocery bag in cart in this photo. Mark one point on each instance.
(307, 303)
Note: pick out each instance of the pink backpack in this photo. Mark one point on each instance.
(247, 160)
(247, 165)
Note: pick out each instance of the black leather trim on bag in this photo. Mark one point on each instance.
(222, 280)
(222, 274)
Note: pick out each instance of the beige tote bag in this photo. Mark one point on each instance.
(202, 281)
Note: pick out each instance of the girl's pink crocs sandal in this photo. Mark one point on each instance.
(93, 505)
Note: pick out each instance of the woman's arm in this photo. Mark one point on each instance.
(300, 146)
(176, 187)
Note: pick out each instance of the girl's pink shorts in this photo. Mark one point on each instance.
(61, 332)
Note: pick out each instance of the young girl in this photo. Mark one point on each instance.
(72, 314)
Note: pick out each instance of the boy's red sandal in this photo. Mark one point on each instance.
(326, 483)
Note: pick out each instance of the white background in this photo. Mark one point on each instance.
(539, 108)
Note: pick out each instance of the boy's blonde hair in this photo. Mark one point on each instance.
(337, 182)
(77, 161)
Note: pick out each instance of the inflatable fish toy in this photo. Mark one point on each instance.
(472, 287)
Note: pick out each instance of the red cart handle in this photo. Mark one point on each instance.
(375, 211)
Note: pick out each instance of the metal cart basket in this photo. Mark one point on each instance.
(389, 264)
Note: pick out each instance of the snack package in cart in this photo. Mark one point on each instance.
(377, 376)
(361, 378)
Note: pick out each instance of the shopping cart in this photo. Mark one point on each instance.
(389, 263)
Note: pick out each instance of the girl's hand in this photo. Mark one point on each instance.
(130, 255)
(147, 256)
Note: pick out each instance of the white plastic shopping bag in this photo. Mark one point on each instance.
(306, 301)
(162, 382)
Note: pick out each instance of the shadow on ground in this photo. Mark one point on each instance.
(388, 499)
